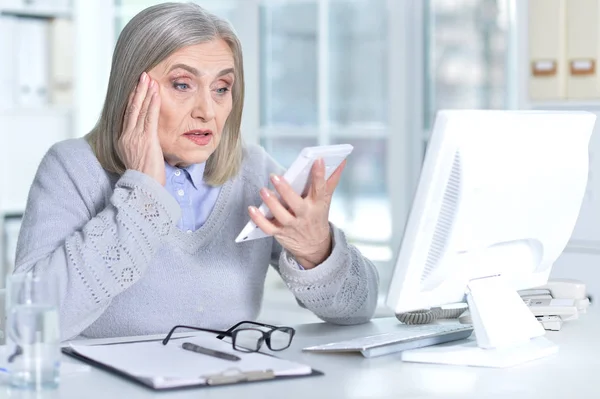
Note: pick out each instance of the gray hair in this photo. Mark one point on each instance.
(149, 38)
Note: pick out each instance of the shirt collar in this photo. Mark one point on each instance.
(194, 173)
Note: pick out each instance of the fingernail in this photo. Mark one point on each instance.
(275, 179)
(153, 84)
(252, 209)
(143, 77)
(265, 192)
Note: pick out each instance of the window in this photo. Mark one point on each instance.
(289, 65)
(127, 9)
(324, 81)
(467, 55)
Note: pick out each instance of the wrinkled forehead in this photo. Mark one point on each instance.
(210, 58)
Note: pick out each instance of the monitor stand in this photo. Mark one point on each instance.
(507, 333)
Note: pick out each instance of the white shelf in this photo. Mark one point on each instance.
(48, 110)
(570, 105)
(583, 246)
(37, 12)
(11, 210)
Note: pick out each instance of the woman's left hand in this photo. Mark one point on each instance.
(303, 227)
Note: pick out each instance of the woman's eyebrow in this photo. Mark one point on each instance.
(188, 68)
(196, 72)
(225, 72)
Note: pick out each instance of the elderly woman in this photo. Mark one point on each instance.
(137, 220)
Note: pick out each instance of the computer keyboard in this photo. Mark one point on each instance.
(406, 337)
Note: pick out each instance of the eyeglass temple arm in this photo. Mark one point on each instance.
(230, 329)
(221, 333)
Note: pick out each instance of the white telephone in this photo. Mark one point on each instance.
(552, 304)
(557, 301)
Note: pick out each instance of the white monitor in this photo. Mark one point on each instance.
(496, 204)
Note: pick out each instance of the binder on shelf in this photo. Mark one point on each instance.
(8, 68)
(61, 62)
(582, 51)
(547, 75)
(167, 367)
(45, 5)
(32, 62)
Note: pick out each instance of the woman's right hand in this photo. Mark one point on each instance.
(139, 146)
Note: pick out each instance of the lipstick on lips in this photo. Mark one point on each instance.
(200, 136)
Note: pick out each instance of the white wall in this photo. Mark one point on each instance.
(581, 259)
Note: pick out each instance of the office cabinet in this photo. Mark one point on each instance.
(564, 49)
(547, 49)
(36, 105)
(21, 151)
(583, 49)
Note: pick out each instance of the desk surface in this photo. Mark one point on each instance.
(573, 372)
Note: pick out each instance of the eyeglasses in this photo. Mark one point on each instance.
(249, 339)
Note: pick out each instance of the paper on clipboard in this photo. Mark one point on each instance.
(170, 365)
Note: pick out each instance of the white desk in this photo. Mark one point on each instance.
(572, 373)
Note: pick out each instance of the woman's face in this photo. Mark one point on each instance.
(195, 89)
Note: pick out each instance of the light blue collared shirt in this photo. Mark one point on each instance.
(196, 198)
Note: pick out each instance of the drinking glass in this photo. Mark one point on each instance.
(33, 333)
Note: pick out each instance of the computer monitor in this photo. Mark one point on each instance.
(497, 201)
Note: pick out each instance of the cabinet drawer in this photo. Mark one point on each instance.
(25, 137)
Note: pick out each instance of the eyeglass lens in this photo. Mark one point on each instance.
(248, 339)
(251, 339)
(280, 339)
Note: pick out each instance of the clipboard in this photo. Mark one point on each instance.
(229, 376)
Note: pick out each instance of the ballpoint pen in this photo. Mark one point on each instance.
(210, 352)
